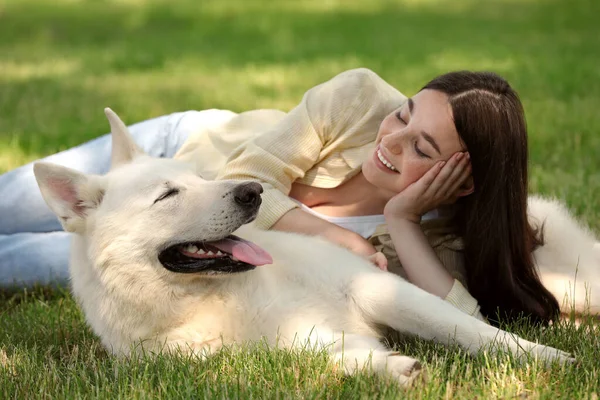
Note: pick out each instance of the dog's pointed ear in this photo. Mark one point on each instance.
(124, 148)
(71, 195)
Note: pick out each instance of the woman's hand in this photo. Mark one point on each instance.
(438, 186)
(379, 260)
(357, 244)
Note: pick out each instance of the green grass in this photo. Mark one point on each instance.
(62, 61)
(46, 351)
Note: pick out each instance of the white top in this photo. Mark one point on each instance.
(364, 225)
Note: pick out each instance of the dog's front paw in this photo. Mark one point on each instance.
(405, 369)
(550, 355)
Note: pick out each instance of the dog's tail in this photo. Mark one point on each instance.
(569, 260)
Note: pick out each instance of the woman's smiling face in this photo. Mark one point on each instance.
(411, 140)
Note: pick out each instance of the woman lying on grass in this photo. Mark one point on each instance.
(349, 163)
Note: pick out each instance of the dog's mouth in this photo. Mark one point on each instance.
(228, 255)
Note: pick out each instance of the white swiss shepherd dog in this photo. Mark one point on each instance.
(161, 261)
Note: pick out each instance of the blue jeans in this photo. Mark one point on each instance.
(33, 247)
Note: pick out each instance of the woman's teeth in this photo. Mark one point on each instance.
(385, 162)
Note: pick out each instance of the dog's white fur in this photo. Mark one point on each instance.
(314, 292)
(569, 260)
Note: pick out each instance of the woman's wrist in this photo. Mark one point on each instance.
(395, 214)
(402, 219)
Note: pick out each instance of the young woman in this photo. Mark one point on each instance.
(445, 170)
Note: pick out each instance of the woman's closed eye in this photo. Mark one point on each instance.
(170, 192)
(419, 152)
(399, 117)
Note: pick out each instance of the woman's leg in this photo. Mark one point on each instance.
(32, 247)
(27, 259)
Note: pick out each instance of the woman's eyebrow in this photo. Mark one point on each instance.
(426, 136)
(432, 141)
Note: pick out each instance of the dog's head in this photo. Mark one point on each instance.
(155, 214)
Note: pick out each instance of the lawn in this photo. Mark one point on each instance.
(62, 61)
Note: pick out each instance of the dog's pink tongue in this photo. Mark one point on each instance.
(244, 251)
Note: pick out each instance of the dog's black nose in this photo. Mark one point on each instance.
(248, 194)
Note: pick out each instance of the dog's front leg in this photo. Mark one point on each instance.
(356, 353)
(389, 300)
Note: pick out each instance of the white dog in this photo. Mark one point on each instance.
(155, 265)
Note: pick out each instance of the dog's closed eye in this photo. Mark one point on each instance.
(170, 192)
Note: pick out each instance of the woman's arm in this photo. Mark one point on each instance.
(299, 221)
(424, 269)
(403, 214)
(421, 264)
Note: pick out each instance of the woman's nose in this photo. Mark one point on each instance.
(393, 143)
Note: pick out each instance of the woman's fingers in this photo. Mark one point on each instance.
(432, 189)
(424, 183)
(457, 176)
(446, 177)
(379, 260)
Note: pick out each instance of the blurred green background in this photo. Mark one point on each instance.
(62, 61)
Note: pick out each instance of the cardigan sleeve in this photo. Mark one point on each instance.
(307, 134)
(460, 298)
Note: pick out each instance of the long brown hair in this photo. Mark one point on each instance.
(498, 238)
